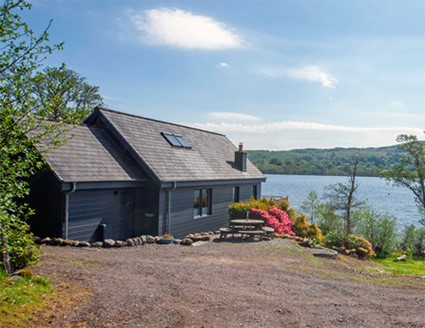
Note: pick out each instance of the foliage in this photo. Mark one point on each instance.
(19, 299)
(410, 171)
(278, 215)
(274, 218)
(349, 244)
(310, 204)
(327, 219)
(239, 210)
(413, 239)
(23, 121)
(65, 95)
(411, 267)
(378, 228)
(325, 161)
(314, 233)
(341, 197)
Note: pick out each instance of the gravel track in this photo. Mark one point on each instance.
(223, 284)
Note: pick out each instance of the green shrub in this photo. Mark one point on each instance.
(349, 244)
(238, 210)
(314, 232)
(22, 249)
(300, 225)
(413, 239)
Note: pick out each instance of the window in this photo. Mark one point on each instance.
(175, 141)
(235, 194)
(202, 202)
(254, 192)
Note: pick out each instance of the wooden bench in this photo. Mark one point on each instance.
(269, 232)
(225, 231)
(252, 233)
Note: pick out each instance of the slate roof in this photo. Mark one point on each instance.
(211, 156)
(90, 155)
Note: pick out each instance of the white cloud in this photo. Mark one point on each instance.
(182, 29)
(313, 73)
(397, 104)
(228, 116)
(223, 65)
(292, 135)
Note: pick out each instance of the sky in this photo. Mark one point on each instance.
(275, 75)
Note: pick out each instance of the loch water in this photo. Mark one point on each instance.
(396, 201)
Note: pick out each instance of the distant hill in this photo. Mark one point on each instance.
(325, 161)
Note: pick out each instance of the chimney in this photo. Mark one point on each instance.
(240, 158)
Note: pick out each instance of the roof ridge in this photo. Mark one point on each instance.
(156, 120)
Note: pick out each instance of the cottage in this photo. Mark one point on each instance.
(121, 175)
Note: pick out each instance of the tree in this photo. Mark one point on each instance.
(310, 204)
(410, 171)
(64, 94)
(23, 124)
(341, 197)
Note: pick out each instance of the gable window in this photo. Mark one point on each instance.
(202, 201)
(235, 194)
(254, 192)
(175, 140)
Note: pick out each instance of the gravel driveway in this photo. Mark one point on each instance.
(223, 284)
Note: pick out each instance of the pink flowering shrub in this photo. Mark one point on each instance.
(274, 218)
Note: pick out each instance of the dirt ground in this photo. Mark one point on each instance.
(223, 284)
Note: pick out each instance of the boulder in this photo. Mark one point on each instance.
(97, 244)
(108, 243)
(304, 243)
(130, 242)
(45, 240)
(200, 237)
(402, 258)
(55, 241)
(150, 239)
(186, 242)
(36, 239)
(120, 243)
(69, 242)
(143, 239)
(177, 241)
(83, 244)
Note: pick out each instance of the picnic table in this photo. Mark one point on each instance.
(247, 227)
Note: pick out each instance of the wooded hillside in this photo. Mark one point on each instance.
(325, 161)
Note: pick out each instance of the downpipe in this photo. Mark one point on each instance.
(168, 226)
(66, 223)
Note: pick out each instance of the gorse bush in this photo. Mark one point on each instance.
(349, 244)
(239, 210)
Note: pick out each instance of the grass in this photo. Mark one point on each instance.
(411, 267)
(21, 297)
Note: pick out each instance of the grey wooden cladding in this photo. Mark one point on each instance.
(88, 209)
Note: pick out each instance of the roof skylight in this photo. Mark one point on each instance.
(175, 140)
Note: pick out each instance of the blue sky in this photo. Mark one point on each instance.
(271, 74)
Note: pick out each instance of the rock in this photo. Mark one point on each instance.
(150, 239)
(156, 238)
(120, 243)
(211, 233)
(36, 239)
(305, 243)
(186, 242)
(83, 244)
(69, 242)
(108, 243)
(138, 241)
(325, 252)
(130, 242)
(97, 244)
(199, 237)
(402, 258)
(45, 240)
(177, 241)
(199, 243)
(55, 242)
(143, 238)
